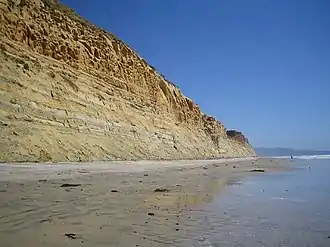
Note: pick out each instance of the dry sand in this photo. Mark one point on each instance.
(113, 203)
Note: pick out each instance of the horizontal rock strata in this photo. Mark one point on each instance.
(73, 92)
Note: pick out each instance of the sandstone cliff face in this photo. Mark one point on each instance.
(73, 92)
(238, 136)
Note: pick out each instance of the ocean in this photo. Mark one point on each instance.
(282, 209)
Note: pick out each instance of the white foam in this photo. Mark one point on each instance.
(305, 157)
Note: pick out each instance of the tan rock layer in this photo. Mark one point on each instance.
(71, 91)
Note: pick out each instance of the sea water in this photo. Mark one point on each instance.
(289, 209)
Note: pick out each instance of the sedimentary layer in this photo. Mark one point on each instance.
(70, 91)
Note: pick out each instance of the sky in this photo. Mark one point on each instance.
(259, 66)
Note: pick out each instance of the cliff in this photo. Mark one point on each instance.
(73, 92)
(236, 135)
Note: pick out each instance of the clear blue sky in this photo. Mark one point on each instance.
(259, 66)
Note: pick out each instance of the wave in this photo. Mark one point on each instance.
(294, 200)
(305, 157)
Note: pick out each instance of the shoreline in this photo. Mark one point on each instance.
(9, 169)
(137, 202)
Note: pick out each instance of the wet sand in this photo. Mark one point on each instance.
(144, 203)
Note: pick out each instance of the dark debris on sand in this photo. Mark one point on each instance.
(161, 190)
(257, 170)
(70, 185)
(42, 181)
(71, 235)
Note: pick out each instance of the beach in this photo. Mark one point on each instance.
(142, 203)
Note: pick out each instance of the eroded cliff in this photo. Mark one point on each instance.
(73, 92)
